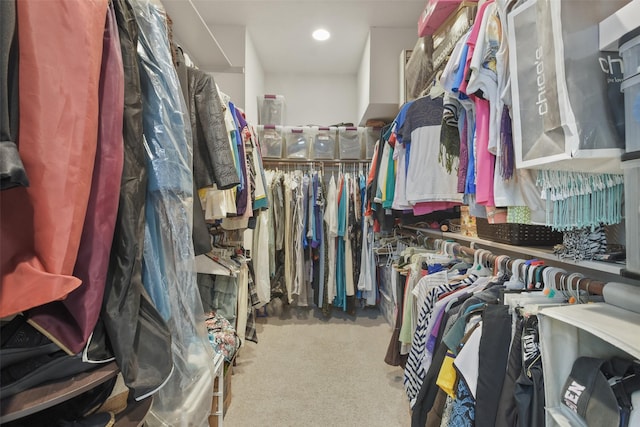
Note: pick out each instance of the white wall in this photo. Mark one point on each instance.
(386, 45)
(364, 78)
(316, 99)
(232, 41)
(233, 85)
(254, 80)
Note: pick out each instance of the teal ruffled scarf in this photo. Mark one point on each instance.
(580, 200)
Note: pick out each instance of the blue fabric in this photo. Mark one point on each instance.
(168, 258)
(434, 268)
(363, 197)
(473, 307)
(305, 210)
(460, 72)
(399, 120)
(470, 186)
(170, 186)
(317, 225)
(463, 413)
(238, 143)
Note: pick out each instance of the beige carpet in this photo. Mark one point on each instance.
(308, 371)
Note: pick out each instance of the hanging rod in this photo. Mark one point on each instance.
(317, 161)
(592, 286)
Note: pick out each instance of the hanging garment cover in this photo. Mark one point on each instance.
(168, 261)
(129, 321)
(12, 171)
(42, 224)
(70, 322)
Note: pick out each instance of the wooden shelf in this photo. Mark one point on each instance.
(544, 253)
(47, 395)
(134, 414)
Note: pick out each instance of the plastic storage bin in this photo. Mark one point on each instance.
(297, 142)
(349, 143)
(631, 89)
(371, 136)
(270, 139)
(631, 170)
(271, 110)
(630, 53)
(323, 145)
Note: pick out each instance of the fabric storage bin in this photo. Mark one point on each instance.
(349, 145)
(371, 136)
(599, 330)
(631, 170)
(631, 89)
(270, 140)
(630, 53)
(271, 110)
(323, 144)
(296, 141)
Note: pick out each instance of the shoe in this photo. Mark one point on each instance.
(38, 370)
(20, 341)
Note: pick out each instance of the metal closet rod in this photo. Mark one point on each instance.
(309, 162)
(592, 286)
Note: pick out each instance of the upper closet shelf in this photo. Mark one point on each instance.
(617, 25)
(195, 36)
(379, 111)
(434, 15)
(535, 252)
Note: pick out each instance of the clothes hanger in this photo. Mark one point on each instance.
(515, 282)
(550, 279)
(574, 295)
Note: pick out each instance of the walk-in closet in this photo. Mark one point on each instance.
(370, 213)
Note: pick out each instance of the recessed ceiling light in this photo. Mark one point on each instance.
(321, 34)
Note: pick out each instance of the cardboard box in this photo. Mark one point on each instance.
(467, 223)
(228, 372)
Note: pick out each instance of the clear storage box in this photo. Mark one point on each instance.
(631, 170)
(631, 89)
(630, 53)
(270, 140)
(371, 136)
(297, 142)
(271, 110)
(323, 145)
(349, 143)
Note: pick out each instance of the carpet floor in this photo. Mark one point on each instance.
(310, 371)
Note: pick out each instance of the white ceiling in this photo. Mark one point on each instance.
(281, 30)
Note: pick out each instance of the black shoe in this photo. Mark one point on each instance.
(20, 341)
(38, 370)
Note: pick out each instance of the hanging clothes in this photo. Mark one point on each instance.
(129, 324)
(331, 219)
(168, 260)
(41, 231)
(72, 320)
